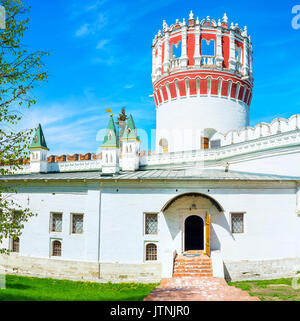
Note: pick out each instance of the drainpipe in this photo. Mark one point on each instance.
(99, 227)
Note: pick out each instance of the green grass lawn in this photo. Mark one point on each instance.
(20, 288)
(270, 290)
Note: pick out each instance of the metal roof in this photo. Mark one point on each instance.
(159, 174)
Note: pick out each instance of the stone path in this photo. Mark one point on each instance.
(197, 289)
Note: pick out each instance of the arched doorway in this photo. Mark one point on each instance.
(194, 233)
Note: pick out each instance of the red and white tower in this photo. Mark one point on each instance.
(202, 81)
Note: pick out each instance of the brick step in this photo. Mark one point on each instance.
(193, 266)
(200, 275)
(192, 270)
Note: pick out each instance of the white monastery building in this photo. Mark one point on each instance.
(214, 188)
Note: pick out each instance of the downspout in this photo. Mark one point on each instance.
(99, 227)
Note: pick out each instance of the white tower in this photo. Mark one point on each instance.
(202, 82)
(110, 149)
(130, 147)
(38, 152)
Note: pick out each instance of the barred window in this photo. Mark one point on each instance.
(151, 224)
(16, 245)
(56, 248)
(77, 223)
(56, 224)
(237, 222)
(215, 143)
(151, 252)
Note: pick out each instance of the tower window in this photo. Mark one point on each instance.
(237, 223)
(208, 47)
(176, 50)
(164, 147)
(204, 143)
(151, 224)
(151, 252)
(56, 248)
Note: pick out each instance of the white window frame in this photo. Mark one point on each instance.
(244, 223)
(51, 222)
(51, 248)
(144, 224)
(71, 223)
(145, 247)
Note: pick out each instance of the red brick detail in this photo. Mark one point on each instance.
(193, 87)
(246, 95)
(241, 93)
(85, 157)
(51, 159)
(191, 49)
(172, 90)
(233, 90)
(60, 159)
(224, 90)
(181, 85)
(72, 158)
(226, 45)
(203, 86)
(165, 94)
(214, 86)
(159, 97)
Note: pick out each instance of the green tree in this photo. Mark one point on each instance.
(20, 72)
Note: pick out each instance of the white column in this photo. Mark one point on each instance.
(184, 58)
(219, 48)
(153, 63)
(245, 63)
(159, 55)
(197, 55)
(167, 53)
(250, 61)
(232, 60)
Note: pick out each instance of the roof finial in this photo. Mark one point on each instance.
(225, 18)
(219, 23)
(191, 16)
(197, 21)
(183, 22)
(165, 25)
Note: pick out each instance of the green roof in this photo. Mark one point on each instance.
(130, 132)
(39, 139)
(111, 138)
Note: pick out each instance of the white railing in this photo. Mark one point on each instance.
(207, 60)
(175, 63)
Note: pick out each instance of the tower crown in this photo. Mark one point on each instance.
(218, 55)
(202, 81)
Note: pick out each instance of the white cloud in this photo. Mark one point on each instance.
(102, 43)
(84, 30)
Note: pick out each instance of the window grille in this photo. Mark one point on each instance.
(151, 252)
(77, 223)
(16, 245)
(56, 248)
(56, 222)
(237, 223)
(151, 224)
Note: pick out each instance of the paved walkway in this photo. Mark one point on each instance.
(197, 289)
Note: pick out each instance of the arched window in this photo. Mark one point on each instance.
(106, 158)
(204, 143)
(130, 149)
(176, 50)
(151, 252)
(56, 248)
(16, 245)
(207, 47)
(164, 147)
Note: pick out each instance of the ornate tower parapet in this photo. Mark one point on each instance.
(202, 80)
(38, 152)
(110, 149)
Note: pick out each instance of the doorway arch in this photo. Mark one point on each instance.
(193, 233)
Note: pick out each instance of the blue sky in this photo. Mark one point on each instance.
(100, 57)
